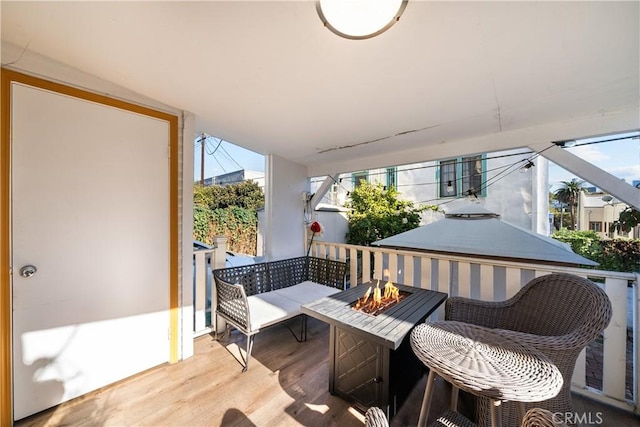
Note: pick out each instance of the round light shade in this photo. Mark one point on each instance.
(359, 19)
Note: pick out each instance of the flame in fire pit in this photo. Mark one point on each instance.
(379, 301)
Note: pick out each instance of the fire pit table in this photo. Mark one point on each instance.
(370, 358)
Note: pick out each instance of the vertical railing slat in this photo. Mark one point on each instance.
(377, 264)
(407, 269)
(392, 274)
(615, 337)
(200, 291)
(366, 266)
(353, 267)
(425, 273)
(579, 378)
(486, 282)
(464, 279)
(514, 283)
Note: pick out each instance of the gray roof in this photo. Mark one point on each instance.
(475, 231)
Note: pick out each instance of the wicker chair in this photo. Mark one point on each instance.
(538, 417)
(535, 417)
(559, 314)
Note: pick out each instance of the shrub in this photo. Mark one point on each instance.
(377, 213)
(612, 254)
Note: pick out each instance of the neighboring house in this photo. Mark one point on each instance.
(235, 177)
(492, 180)
(598, 210)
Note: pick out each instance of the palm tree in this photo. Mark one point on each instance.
(569, 194)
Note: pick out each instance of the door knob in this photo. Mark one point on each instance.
(28, 271)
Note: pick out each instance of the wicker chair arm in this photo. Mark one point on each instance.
(233, 304)
(489, 314)
(375, 417)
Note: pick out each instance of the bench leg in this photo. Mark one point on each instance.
(249, 348)
(303, 330)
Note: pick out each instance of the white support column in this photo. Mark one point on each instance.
(284, 233)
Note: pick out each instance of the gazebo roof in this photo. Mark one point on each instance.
(476, 231)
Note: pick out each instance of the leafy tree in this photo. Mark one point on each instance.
(560, 216)
(569, 194)
(628, 219)
(376, 213)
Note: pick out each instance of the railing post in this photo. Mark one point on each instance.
(635, 295)
(219, 260)
(200, 289)
(220, 252)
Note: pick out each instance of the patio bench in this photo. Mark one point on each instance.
(253, 297)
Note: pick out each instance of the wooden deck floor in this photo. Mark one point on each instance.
(286, 385)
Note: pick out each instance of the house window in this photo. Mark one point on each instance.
(462, 176)
(333, 194)
(358, 177)
(448, 181)
(472, 175)
(392, 177)
(595, 226)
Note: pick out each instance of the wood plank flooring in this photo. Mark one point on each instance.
(286, 385)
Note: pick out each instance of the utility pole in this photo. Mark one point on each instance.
(203, 142)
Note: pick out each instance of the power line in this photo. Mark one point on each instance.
(506, 170)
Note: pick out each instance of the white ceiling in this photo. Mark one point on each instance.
(268, 76)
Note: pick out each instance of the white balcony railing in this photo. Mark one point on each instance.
(489, 280)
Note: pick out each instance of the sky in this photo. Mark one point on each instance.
(223, 158)
(621, 158)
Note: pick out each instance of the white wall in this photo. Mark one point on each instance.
(335, 225)
(284, 235)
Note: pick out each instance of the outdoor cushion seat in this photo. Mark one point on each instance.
(306, 292)
(270, 308)
(253, 297)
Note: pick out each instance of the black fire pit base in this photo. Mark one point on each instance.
(370, 358)
(369, 374)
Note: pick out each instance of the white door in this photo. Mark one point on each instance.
(90, 211)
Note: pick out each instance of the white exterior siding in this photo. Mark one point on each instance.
(519, 198)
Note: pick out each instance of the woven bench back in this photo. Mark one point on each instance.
(269, 276)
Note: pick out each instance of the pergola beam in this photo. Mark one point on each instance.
(618, 188)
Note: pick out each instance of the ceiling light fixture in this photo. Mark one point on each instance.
(359, 19)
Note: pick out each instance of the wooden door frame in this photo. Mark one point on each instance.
(7, 77)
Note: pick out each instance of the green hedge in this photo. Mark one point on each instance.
(239, 225)
(612, 254)
(230, 211)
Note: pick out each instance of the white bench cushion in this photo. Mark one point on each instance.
(272, 307)
(306, 292)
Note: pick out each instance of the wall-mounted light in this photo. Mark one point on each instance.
(359, 19)
(565, 144)
(449, 186)
(527, 166)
